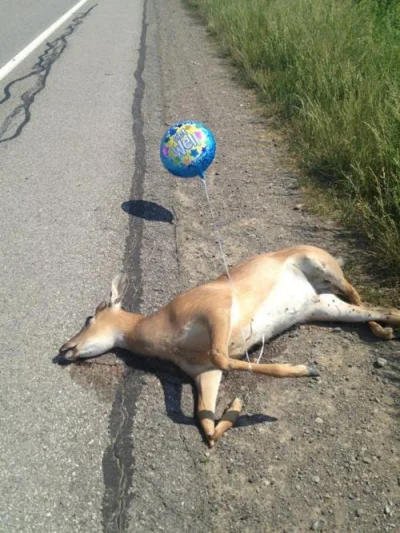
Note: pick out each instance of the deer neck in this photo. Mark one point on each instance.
(139, 333)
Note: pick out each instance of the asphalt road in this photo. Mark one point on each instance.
(67, 163)
(112, 448)
(22, 21)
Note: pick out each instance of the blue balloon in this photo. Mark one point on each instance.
(187, 149)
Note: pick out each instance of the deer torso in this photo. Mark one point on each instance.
(266, 296)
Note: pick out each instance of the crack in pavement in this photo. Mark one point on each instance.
(118, 458)
(20, 115)
(118, 462)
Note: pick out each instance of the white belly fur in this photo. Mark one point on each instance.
(287, 304)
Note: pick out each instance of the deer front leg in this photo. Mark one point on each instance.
(228, 419)
(207, 384)
(219, 328)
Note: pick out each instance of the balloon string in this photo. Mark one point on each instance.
(221, 248)
(262, 349)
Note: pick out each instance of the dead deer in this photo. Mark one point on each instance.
(206, 330)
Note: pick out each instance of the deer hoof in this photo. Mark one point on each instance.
(313, 371)
(381, 332)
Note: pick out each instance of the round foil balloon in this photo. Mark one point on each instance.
(187, 149)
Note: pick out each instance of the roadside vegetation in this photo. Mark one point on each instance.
(331, 69)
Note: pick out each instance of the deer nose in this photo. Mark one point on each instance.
(66, 346)
(68, 352)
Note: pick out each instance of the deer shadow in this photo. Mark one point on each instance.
(172, 380)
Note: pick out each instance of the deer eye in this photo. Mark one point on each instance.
(88, 321)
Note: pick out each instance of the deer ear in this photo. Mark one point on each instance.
(100, 307)
(119, 286)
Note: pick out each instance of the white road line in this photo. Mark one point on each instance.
(16, 60)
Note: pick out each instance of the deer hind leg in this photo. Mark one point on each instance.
(331, 308)
(327, 270)
(353, 297)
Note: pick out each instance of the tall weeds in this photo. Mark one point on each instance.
(331, 68)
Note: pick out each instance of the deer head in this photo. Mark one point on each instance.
(100, 332)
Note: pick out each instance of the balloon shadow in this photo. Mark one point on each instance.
(147, 211)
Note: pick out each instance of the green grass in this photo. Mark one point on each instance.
(331, 68)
